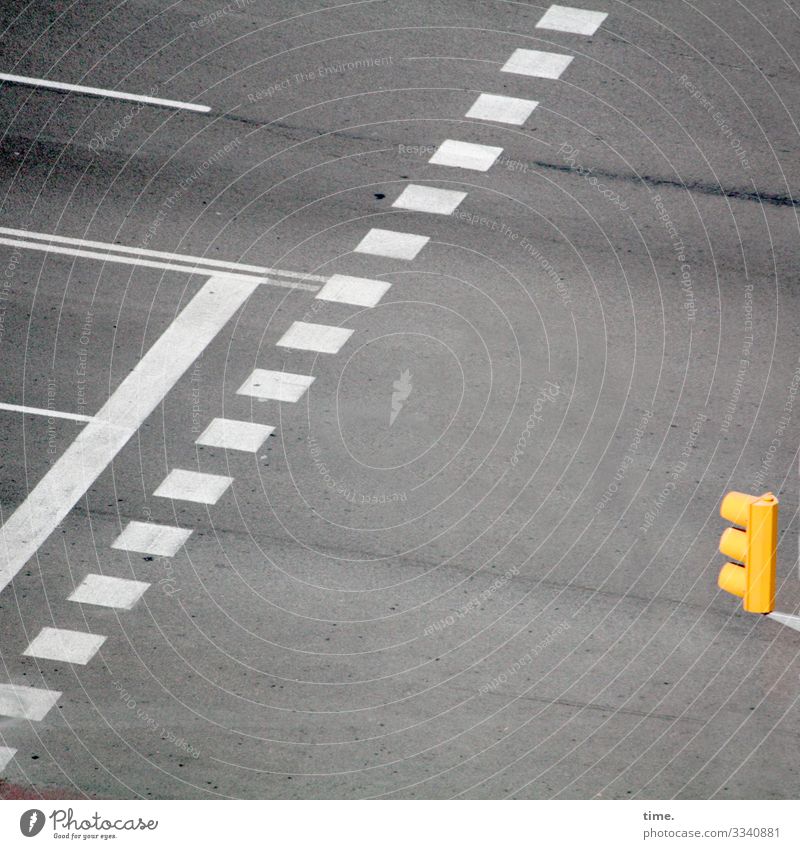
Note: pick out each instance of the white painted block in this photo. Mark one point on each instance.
(26, 702)
(235, 435)
(186, 485)
(460, 154)
(504, 110)
(358, 291)
(322, 338)
(6, 755)
(105, 591)
(537, 63)
(275, 385)
(570, 19)
(391, 243)
(66, 646)
(428, 199)
(149, 538)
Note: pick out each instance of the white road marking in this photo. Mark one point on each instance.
(570, 19)
(150, 538)
(68, 479)
(26, 702)
(186, 485)
(460, 154)
(195, 261)
(504, 110)
(359, 291)
(537, 63)
(315, 337)
(67, 646)
(428, 199)
(275, 385)
(235, 435)
(105, 591)
(6, 755)
(104, 92)
(148, 263)
(391, 243)
(42, 411)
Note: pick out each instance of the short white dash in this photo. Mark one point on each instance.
(570, 19)
(105, 591)
(186, 485)
(429, 199)
(66, 646)
(460, 154)
(275, 385)
(358, 291)
(104, 92)
(42, 411)
(504, 110)
(149, 538)
(6, 755)
(537, 63)
(391, 243)
(315, 337)
(26, 702)
(235, 435)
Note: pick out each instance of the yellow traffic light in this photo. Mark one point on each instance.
(752, 544)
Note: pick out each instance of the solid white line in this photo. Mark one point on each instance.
(104, 92)
(69, 478)
(197, 261)
(125, 260)
(41, 411)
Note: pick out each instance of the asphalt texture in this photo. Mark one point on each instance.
(508, 590)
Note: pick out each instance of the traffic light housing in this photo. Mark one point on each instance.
(752, 545)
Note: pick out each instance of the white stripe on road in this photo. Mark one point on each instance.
(150, 538)
(233, 435)
(68, 479)
(391, 243)
(194, 261)
(269, 385)
(41, 411)
(570, 19)
(146, 263)
(6, 755)
(65, 646)
(429, 199)
(504, 110)
(186, 485)
(358, 291)
(537, 63)
(322, 338)
(104, 92)
(461, 154)
(105, 591)
(26, 702)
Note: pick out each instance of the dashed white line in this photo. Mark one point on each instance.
(235, 435)
(66, 646)
(429, 199)
(570, 19)
(269, 385)
(42, 411)
(26, 702)
(537, 63)
(358, 291)
(461, 154)
(391, 243)
(105, 591)
(104, 92)
(150, 538)
(504, 110)
(200, 487)
(315, 337)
